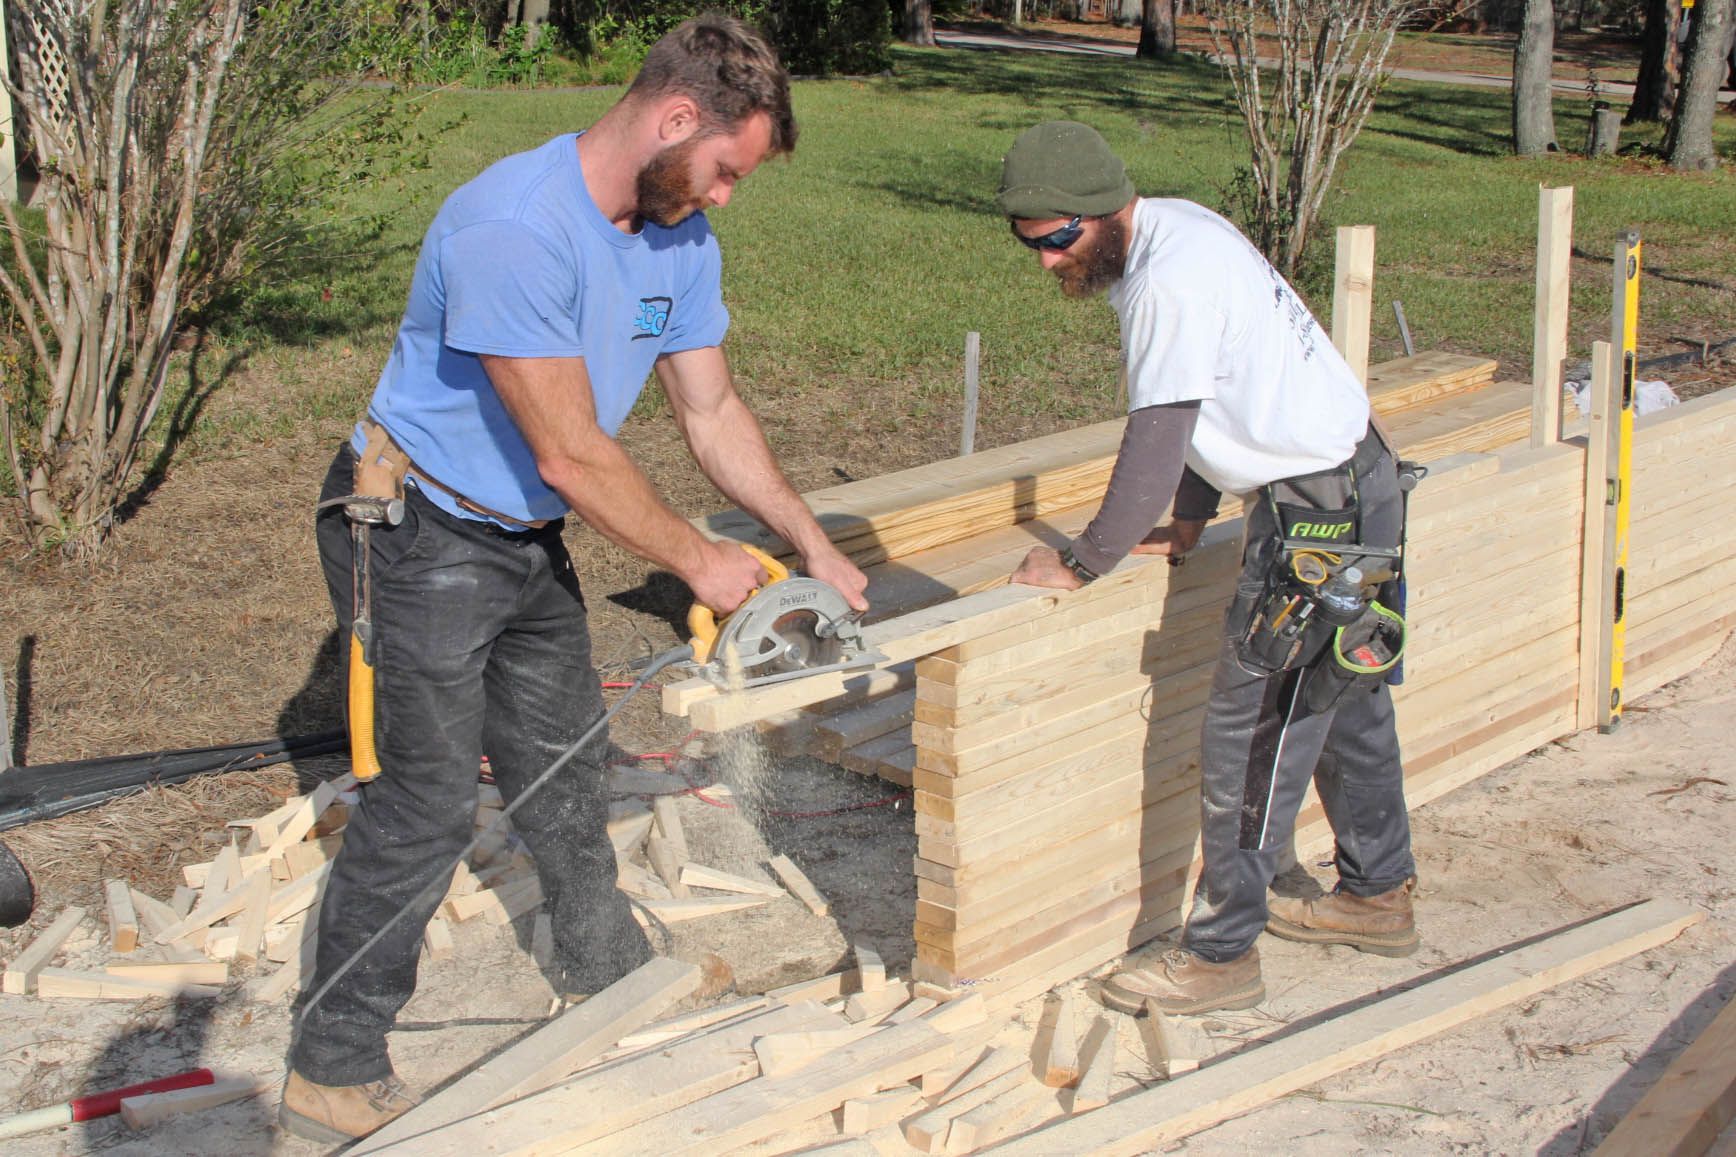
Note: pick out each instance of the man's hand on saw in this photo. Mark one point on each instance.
(831, 567)
(726, 577)
(1043, 568)
(1175, 539)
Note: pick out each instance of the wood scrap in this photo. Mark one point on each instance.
(628, 828)
(699, 876)
(928, 1132)
(666, 861)
(877, 1110)
(153, 1108)
(799, 885)
(1169, 1048)
(123, 922)
(1233, 1086)
(1059, 1067)
(545, 1056)
(250, 924)
(828, 987)
(209, 972)
(601, 1103)
(1098, 1053)
(21, 974)
(671, 911)
(870, 970)
(746, 1113)
(437, 938)
(874, 1005)
(542, 941)
(998, 1117)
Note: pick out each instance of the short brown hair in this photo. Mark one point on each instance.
(728, 68)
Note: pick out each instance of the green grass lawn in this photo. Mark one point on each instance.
(855, 268)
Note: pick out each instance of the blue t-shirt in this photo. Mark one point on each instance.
(520, 262)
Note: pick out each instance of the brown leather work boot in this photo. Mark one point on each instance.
(1383, 924)
(1181, 982)
(334, 1114)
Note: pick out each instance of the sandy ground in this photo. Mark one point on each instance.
(1582, 826)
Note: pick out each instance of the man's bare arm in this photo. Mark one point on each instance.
(550, 400)
(729, 445)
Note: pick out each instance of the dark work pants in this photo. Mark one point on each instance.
(481, 647)
(1260, 747)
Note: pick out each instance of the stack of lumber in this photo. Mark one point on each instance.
(256, 904)
(1055, 734)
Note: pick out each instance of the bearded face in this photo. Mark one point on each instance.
(665, 186)
(1096, 261)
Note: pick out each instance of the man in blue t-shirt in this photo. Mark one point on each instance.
(547, 289)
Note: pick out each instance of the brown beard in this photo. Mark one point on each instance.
(1091, 267)
(664, 186)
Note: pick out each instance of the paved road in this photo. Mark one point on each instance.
(983, 41)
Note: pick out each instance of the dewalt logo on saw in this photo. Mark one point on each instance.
(798, 599)
(1328, 531)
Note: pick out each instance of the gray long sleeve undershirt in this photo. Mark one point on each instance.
(1148, 469)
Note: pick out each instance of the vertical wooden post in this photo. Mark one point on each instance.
(1549, 321)
(1597, 545)
(1353, 296)
(8, 133)
(972, 355)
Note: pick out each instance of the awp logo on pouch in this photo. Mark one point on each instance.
(1330, 531)
(653, 316)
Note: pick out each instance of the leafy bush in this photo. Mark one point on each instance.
(823, 37)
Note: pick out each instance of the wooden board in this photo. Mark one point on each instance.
(550, 1053)
(20, 975)
(1682, 1115)
(1158, 1116)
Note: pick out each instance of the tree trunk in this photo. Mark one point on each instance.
(1688, 145)
(919, 22)
(1655, 86)
(1125, 13)
(1156, 30)
(1533, 103)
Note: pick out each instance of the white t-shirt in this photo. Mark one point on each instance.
(1204, 315)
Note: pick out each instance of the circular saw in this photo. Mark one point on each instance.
(792, 627)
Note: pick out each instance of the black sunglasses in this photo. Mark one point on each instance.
(1056, 239)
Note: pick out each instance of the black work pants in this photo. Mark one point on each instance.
(1260, 746)
(481, 647)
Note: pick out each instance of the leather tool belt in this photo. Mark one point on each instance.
(382, 467)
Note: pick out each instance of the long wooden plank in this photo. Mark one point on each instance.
(1549, 316)
(1231, 1087)
(1405, 382)
(1682, 1115)
(550, 1053)
(746, 1113)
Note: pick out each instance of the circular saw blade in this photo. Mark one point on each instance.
(797, 646)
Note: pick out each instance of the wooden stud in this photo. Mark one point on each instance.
(928, 1132)
(783, 1053)
(673, 1028)
(21, 974)
(874, 1005)
(799, 885)
(309, 855)
(183, 900)
(122, 920)
(1170, 1050)
(911, 1009)
(175, 972)
(667, 815)
(152, 1108)
(269, 988)
(1098, 1051)
(154, 916)
(66, 984)
(829, 987)
(211, 909)
(628, 830)
(1549, 319)
(1060, 1065)
(1353, 296)
(545, 1056)
(1153, 1118)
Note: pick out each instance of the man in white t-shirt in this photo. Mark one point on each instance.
(1233, 388)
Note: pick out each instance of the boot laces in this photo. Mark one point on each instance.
(389, 1094)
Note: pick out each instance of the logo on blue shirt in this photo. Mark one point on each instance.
(653, 316)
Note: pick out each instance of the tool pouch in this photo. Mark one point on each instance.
(381, 466)
(1304, 526)
(1360, 654)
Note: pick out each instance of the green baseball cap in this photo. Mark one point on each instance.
(1062, 169)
